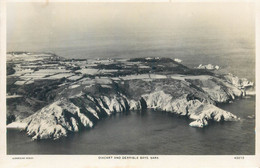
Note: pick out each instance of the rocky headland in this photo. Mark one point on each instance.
(50, 97)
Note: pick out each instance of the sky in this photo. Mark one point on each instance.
(41, 26)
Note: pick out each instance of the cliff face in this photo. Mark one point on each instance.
(194, 98)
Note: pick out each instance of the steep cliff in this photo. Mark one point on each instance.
(192, 97)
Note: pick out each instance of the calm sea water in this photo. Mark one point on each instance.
(151, 132)
(236, 55)
(232, 51)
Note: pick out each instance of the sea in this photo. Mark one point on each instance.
(232, 51)
(155, 132)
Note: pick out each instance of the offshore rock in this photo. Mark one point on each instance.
(209, 67)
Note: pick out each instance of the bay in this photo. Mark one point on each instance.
(151, 133)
